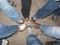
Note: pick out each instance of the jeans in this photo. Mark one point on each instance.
(33, 40)
(51, 31)
(50, 7)
(7, 31)
(10, 11)
(57, 13)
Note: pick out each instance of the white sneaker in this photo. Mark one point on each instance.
(4, 42)
(30, 30)
(20, 22)
(22, 27)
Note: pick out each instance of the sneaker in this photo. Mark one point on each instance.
(12, 3)
(27, 19)
(22, 27)
(4, 42)
(54, 18)
(20, 22)
(34, 19)
(30, 30)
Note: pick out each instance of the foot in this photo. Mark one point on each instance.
(27, 19)
(20, 22)
(4, 42)
(37, 25)
(22, 27)
(30, 30)
(12, 3)
(34, 19)
(54, 18)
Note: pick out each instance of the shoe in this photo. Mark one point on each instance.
(27, 19)
(20, 22)
(30, 30)
(4, 42)
(54, 18)
(34, 19)
(22, 27)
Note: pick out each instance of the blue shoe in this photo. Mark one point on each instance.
(51, 31)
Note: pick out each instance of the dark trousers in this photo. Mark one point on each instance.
(26, 6)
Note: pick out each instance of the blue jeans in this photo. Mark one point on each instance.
(50, 7)
(57, 13)
(10, 11)
(51, 31)
(33, 40)
(7, 31)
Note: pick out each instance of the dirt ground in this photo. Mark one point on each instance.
(20, 37)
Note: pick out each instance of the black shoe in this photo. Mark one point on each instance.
(33, 19)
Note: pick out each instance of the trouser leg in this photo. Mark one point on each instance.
(10, 11)
(7, 31)
(47, 9)
(51, 31)
(33, 40)
(57, 12)
(26, 6)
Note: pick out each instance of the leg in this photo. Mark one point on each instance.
(51, 31)
(9, 11)
(6, 31)
(47, 9)
(48, 30)
(57, 12)
(31, 38)
(26, 6)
